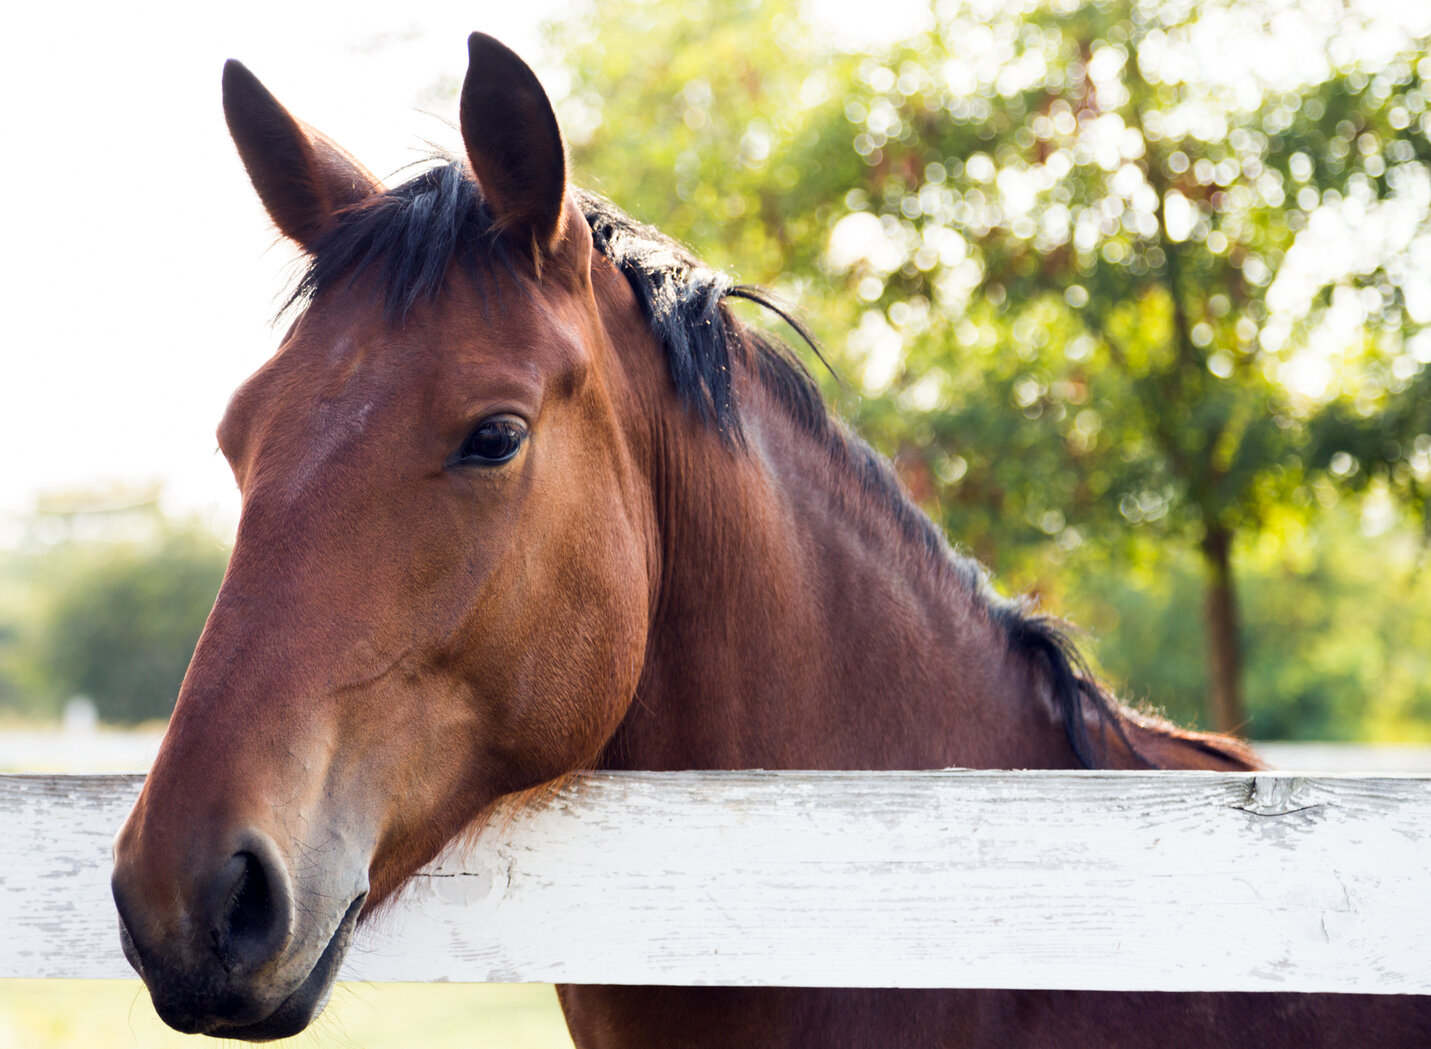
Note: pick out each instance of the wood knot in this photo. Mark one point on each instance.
(1275, 796)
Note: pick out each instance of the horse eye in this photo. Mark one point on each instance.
(492, 443)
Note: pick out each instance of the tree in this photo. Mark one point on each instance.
(125, 619)
(1061, 191)
(735, 141)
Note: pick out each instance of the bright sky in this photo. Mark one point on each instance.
(140, 273)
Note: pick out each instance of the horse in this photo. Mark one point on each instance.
(523, 496)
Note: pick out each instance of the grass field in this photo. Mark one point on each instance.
(116, 1014)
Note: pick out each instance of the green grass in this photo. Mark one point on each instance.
(116, 1014)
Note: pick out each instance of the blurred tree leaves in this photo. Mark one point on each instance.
(730, 139)
(115, 621)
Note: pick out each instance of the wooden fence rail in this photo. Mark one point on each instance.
(1080, 880)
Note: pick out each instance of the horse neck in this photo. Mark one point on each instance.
(805, 618)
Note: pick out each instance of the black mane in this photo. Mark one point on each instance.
(408, 236)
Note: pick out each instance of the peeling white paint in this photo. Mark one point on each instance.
(1116, 881)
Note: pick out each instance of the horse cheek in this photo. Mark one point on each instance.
(600, 602)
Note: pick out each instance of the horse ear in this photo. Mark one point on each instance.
(514, 144)
(302, 176)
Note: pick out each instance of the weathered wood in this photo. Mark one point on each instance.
(1131, 881)
(56, 834)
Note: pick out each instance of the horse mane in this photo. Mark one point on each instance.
(409, 236)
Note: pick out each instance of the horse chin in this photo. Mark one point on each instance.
(296, 1011)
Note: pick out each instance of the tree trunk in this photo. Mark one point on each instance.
(1224, 649)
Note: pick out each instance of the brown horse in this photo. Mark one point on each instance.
(521, 497)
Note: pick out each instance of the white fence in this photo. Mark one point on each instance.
(1079, 880)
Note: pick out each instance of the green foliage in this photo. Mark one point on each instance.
(1335, 628)
(1076, 203)
(122, 629)
(23, 685)
(114, 621)
(730, 141)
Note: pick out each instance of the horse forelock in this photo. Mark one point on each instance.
(407, 237)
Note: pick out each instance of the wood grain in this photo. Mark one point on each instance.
(1114, 881)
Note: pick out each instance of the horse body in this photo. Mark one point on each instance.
(522, 497)
(814, 1018)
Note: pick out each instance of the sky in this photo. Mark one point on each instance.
(141, 275)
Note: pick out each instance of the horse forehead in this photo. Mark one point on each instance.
(336, 348)
(329, 386)
(498, 329)
(343, 371)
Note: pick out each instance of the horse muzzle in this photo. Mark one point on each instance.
(231, 959)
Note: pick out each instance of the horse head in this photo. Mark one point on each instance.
(443, 574)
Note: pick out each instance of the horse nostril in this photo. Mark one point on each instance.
(251, 912)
